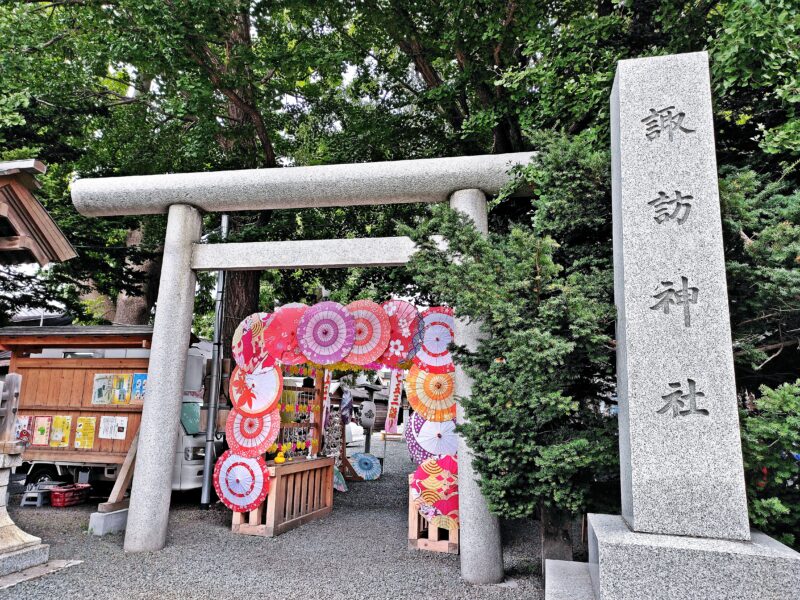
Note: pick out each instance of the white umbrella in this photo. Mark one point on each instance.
(438, 438)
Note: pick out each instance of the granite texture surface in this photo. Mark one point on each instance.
(567, 580)
(481, 543)
(101, 524)
(304, 254)
(158, 432)
(680, 452)
(395, 182)
(627, 565)
(12, 562)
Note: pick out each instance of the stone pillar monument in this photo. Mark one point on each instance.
(684, 531)
(481, 544)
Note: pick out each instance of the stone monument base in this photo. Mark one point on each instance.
(19, 560)
(628, 565)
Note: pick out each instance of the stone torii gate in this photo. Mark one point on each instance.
(464, 181)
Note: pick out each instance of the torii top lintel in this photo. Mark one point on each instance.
(359, 184)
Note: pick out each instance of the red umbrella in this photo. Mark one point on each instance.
(372, 331)
(405, 323)
(241, 483)
(250, 436)
(256, 394)
(280, 336)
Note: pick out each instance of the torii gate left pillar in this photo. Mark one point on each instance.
(462, 180)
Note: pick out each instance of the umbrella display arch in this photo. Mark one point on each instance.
(463, 181)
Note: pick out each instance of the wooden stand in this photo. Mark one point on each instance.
(423, 537)
(299, 491)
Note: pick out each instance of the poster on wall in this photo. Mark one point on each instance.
(23, 429)
(101, 390)
(121, 388)
(139, 385)
(59, 431)
(41, 431)
(84, 432)
(113, 428)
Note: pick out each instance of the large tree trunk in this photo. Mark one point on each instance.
(135, 310)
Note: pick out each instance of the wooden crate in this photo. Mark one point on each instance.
(300, 491)
(423, 537)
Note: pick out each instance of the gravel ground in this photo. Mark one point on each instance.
(359, 551)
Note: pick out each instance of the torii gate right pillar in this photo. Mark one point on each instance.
(481, 544)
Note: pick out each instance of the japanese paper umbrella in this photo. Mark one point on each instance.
(434, 490)
(405, 325)
(241, 483)
(248, 343)
(431, 394)
(366, 466)
(251, 436)
(256, 394)
(372, 331)
(326, 333)
(438, 437)
(280, 335)
(418, 453)
(434, 355)
(339, 484)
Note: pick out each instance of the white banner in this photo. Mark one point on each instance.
(395, 395)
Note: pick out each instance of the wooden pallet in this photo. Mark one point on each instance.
(299, 491)
(423, 537)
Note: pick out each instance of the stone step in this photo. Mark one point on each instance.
(567, 580)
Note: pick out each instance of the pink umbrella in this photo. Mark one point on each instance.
(434, 355)
(326, 333)
(241, 483)
(372, 330)
(280, 336)
(405, 324)
(248, 343)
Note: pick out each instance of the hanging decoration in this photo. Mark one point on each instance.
(256, 394)
(431, 394)
(326, 333)
(366, 466)
(333, 438)
(434, 355)
(372, 331)
(241, 483)
(247, 346)
(405, 326)
(251, 436)
(280, 336)
(434, 490)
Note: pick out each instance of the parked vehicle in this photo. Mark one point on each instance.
(63, 371)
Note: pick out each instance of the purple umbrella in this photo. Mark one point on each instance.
(417, 452)
(326, 333)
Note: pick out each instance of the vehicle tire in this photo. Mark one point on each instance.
(42, 473)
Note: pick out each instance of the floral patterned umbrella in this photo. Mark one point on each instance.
(250, 436)
(241, 483)
(339, 484)
(366, 466)
(372, 331)
(256, 394)
(418, 453)
(280, 336)
(431, 394)
(248, 343)
(405, 328)
(434, 490)
(434, 355)
(326, 333)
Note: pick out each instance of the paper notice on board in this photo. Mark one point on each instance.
(84, 432)
(59, 432)
(41, 431)
(113, 428)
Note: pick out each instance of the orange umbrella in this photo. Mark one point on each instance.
(432, 395)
